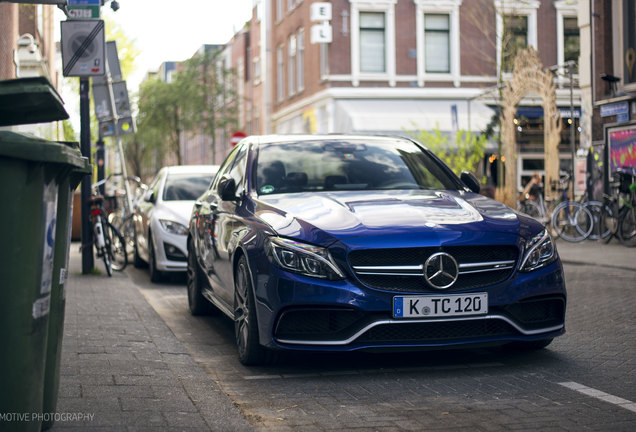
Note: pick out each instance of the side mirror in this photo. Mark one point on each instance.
(227, 189)
(470, 181)
(150, 197)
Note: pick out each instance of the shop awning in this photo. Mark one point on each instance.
(402, 116)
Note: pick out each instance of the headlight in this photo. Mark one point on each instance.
(302, 258)
(539, 252)
(173, 227)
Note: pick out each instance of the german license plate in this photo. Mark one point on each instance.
(440, 306)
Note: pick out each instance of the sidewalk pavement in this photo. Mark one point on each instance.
(595, 253)
(124, 369)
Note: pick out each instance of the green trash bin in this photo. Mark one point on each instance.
(35, 177)
(69, 179)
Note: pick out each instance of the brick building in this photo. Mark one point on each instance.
(394, 66)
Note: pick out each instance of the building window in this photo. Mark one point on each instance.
(516, 29)
(257, 69)
(515, 38)
(372, 42)
(437, 38)
(279, 10)
(291, 66)
(280, 77)
(437, 43)
(324, 61)
(571, 41)
(300, 57)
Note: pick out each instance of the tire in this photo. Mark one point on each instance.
(250, 351)
(137, 261)
(528, 346)
(610, 222)
(156, 276)
(572, 221)
(196, 302)
(627, 227)
(600, 231)
(118, 254)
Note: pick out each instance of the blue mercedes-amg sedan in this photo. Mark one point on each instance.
(342, 243)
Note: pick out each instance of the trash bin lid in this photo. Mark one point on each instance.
(31, 148)
(29, 100)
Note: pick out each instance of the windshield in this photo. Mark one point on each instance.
(347, 165)
(186, 187)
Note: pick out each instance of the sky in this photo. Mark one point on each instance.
(165, 30)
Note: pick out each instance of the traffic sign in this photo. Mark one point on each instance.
(83, 52)
(84, 12)
(237, 137)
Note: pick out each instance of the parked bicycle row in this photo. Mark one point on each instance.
(612, 218)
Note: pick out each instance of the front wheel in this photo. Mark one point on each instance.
(250, 352)
(116, 246)
(155, 274)
(627, 227)
(196, 302)
(572, 221)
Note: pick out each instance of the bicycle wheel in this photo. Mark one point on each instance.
(609, 220)
(600, 230)
(627, 227)
(572, 221)
(126, 228)
(116, 247)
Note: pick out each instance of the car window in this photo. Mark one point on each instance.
(185, 186)
(225, 166)
(237, 170)
(347, 165)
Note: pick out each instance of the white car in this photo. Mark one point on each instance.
(162, 215)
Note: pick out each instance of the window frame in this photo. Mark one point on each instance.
(526, 8)
(438, 7)
(388, 8)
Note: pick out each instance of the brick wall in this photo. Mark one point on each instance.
(8, 39)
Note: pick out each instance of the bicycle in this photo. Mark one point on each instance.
(627, 213)
(123, 217)
(109, 243)
(571, 220)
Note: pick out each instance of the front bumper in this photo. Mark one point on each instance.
(299, 313)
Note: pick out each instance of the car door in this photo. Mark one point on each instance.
(205, 231)
(227, 227)
(142, 215)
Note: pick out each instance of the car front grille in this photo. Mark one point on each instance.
(402, 269)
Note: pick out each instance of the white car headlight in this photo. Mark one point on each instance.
(302, 258)
(539, 252)
(173, 227)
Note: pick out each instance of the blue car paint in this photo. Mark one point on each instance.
(353, 220)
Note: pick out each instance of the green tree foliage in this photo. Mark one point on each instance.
(211, 99)
(200, 99)
(465, 154)
(161, 117)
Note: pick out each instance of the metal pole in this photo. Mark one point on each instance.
(122, 158)
(85, 144)
(572, 142)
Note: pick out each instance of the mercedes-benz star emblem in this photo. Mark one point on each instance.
(441, 270)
